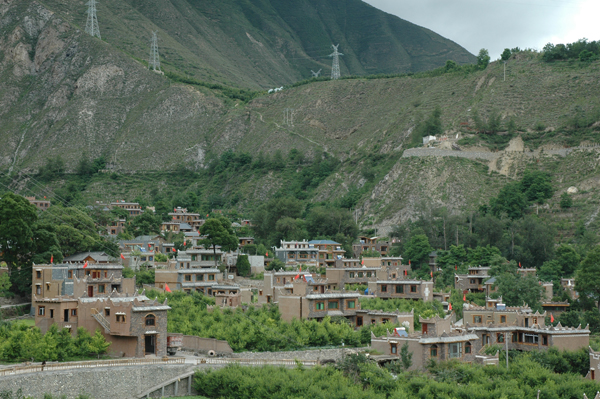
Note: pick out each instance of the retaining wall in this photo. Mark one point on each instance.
(98, 383)
(192, 343)
(316, 354)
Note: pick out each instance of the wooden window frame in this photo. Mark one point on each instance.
(353, 302)
(480, 318)
(336, 302)
(399, 289)
(150, 317)
(322, 305)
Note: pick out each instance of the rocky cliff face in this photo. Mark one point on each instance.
(63, 92)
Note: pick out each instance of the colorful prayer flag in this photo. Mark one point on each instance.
(51, 258)
(85, 264)
(167, 287)
(551, 318)
(449, 306)
(122, 256)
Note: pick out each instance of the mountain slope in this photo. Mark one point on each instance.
(263, 43)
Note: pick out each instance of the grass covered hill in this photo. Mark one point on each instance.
(266, 43)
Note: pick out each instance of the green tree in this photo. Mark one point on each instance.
(517, 289)
(243, 265)
(406, 356)
(483, 58)
(565, 201)
(370, 253)
(98, 344)
(161, 257)
(536, 186)
(417, 250)
(568, 258)
(505, 54)
(144, 224)
(218, 232)
(587, 277)
(275, 264)
(510, 201)
(4, 283)
(551, 271)
(17, 219)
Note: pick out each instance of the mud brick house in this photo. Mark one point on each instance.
(401, 288)
(437, 341)
(329, 252)
(276, 282)
(199, 258)
(41, 205)
(198, 279)
(555, 308)
(297, 253)
(90, 257)
(594, 373)
(370, 244)
(181, 215)
(525, 330)
(339, 277)
(473, 281)
(98, 297)
(133, 208)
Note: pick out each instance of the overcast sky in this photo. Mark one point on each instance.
(498, 24)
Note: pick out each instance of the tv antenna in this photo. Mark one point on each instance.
(91, 26)
(335, 68)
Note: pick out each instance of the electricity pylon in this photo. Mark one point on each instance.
(154, 60)
(316, 74)
(335, 68)
(91, 26)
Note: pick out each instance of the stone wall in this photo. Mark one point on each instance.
(193, 343)
(316, 354)
(115, 382)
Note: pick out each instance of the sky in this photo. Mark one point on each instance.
(499, 24)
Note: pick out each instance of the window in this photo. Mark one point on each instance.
(199, 277)
(150, 320)
(467, 347)
(360, 274)
(38, 290)
(433, 351)
(476, 319)
(455, 349)
(545, 340)
(535, 320)
(38, 274)
(351, 274)
(106, 312)
(260, 292)
(500, 337)
(394, 348)
(472, 281)
(188, 277)
(502, 319)
(368, 274)
(531, 339)
(351, 305)
(385, 320)
(95, 274)
(73, 312)
(211, 277)
(120, 318)
(70, 274)
(399, 289)
(383, 288)
(105, 274)
(41, 311)
(320, 305)
(87, 272)
(514, 337)
(333, 305)
(101, 288)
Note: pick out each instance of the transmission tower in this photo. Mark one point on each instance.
(91, 26)
(335, 69)
(316, 74)
(154, 61)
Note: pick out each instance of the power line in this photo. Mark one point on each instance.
(91, 26)
(335, 68)
(154, 60)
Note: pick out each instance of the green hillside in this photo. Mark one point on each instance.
(65, 94)
(266, 43)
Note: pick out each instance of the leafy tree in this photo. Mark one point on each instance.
(506, 54)
(418, 249)
(161, 257)
(243, 265)
(144, 224)
(98, 344)
(406, 356)
(4, 283)
(510, 201)
(17, 218)
(483, 58)
(218, 232)
(587, 277)
(565, 201)
(517, 289)
(551, 271)
(275, 264)
(536, 186)
(568, 258)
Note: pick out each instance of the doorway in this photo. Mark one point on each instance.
(150, 344)
(66, 315)
(359, 321)
(91, 291)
